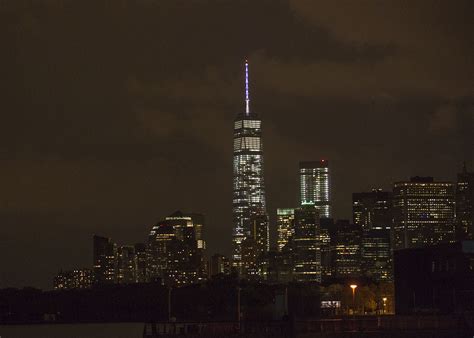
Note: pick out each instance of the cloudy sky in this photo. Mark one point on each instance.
(117, 113)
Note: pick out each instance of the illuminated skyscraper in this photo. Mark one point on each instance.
(314, 186)
(248, 183)
(347, 255)
(307, 245)
(423, 213)
(376, 255)
(175, 255)
(285, 226)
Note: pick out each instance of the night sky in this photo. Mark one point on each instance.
(115, 114)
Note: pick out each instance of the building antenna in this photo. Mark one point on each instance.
(247, 99)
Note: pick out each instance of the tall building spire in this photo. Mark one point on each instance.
(249, 213)
(247, 99)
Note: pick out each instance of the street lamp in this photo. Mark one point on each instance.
(353, 287)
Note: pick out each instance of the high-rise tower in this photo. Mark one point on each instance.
(248, 202)
(423, 213)
(314, 186)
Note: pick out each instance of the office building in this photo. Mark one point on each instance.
(219, 264)
(285, 226)
(465, 205)
(423, 213)
(126, 265)
(372, 210)
(327, 239)
(254, 247)
(306, 245)
(347, 250)
(74, 279)
(376, 255)
(141, 261)
(248, 179)
(104, 260)
(175, 256)
(277, 266)
(314, 186)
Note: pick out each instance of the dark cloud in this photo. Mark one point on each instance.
(116, 113)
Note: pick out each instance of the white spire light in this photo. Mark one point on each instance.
(247, 99)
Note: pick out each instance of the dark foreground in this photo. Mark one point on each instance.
(350, 327)
(366, 326)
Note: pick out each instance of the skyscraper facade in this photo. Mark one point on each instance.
(74, 279)
(423, 213)
(376, 255)
(126, 265)
(142, 261)
(465, 205)
(372, 210)
(105, 260)
(248, 201)
(176, 257)
(327, 239)
(314, 186)
(285, 226)
(347, 249)
(219, 264)
(307, 245)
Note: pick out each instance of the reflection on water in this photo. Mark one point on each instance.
(109, 330)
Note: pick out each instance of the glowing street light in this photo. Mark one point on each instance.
(384, 299)
(353, 287)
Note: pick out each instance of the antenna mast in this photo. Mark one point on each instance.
(247, 99)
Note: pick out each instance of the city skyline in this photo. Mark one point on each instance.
(110, 128)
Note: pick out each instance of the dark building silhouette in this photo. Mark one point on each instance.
(372, 210)
(126, 264)
(315, 187)
(105, 260)
(423, 213)
(74, 279)
(376, 255)
(465, 205)
(159, 250)
(436, 279)
(141, 255)
(278, 266)
(347, 250)
(306, 244)
(327, 240)
(219, 264)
